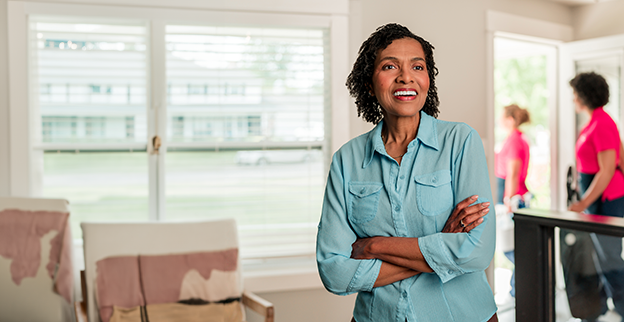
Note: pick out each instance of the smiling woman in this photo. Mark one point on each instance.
(405, 219)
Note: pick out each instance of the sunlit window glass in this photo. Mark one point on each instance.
(246, 131)
(88, 94)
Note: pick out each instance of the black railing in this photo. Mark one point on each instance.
(535, 256)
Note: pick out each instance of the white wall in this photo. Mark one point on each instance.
(598, 20)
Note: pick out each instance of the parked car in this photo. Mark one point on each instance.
(259, 157)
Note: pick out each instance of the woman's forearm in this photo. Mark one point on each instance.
(390, 273)
(606, 161)
(513, 178)
(400, 251)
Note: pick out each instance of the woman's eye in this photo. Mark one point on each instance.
(388, 67)
(418, 68)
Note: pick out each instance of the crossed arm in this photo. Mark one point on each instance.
(401, 256)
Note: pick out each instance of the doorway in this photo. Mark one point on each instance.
(525, 74)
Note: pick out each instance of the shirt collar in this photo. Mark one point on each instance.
(427, 135)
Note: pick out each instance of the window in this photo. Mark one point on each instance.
(244, 119)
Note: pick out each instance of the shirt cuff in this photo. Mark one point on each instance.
(365, 276)
(438, 257)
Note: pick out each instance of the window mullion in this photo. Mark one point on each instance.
(157, 119)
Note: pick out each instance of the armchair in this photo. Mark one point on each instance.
(146, 248)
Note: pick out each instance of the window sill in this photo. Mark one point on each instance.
(281, 274)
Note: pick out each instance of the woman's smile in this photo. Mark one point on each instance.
(405, 94)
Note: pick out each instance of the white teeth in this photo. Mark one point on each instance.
(405, 93)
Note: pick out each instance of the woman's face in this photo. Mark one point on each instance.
(508, 122)
(400, 79)
(578, 103)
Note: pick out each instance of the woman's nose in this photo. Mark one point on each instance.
(405, 77)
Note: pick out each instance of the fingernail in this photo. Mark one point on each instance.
(474, 197)
(480, 220)
(485, 211)
(485, 204)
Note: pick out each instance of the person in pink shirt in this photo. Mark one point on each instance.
(511, 167)
(512, 162)
(601, 182)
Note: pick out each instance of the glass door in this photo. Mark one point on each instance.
(604, 56)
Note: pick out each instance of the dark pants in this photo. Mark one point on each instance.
(593, 265)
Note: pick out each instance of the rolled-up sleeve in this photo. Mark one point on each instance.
(451, 255)
(340, 274)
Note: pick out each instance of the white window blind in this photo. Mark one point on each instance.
(246, 125)
(246, 131)
(87, 82)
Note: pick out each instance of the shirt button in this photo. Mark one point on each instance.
(404, 293)
(402, 177)
(450, 272)
(363, 190)
(397, 208)
(434, 179)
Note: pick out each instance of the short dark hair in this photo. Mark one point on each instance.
(360, 79)
(591, 88)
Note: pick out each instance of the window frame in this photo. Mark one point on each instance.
(23, 175)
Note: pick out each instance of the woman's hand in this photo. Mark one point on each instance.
(578, 206)
(465, 217)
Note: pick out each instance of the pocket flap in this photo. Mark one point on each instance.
(434, 179)
(363, 189)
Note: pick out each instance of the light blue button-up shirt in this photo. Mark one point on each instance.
(369, 194)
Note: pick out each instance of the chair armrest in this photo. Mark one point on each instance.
(259, 305)
(80, 309)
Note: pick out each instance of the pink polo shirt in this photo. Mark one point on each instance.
(515, 147)
(600, 134)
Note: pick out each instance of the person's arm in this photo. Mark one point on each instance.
(512, 181)
(340, 273)
(390, 273)
(620, 164)
(404, 252)
(452, 255)
(606, 162)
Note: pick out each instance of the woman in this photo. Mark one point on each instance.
(601, 181)
(388, 229)
(512, 162)
(511, 167)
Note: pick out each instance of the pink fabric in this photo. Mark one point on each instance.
(600, 134)
(118, 283)
(20, 240)
(515, 147)
(162, 275)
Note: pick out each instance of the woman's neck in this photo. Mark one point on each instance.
(400, 130)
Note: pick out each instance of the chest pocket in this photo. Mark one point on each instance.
(364, 201)
(434, 193)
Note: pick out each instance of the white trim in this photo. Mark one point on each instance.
(176, 15)
(510, 23)
(278, 6)
(19, 126)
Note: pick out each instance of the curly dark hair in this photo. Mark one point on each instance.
(360, 79)
(591, 88)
